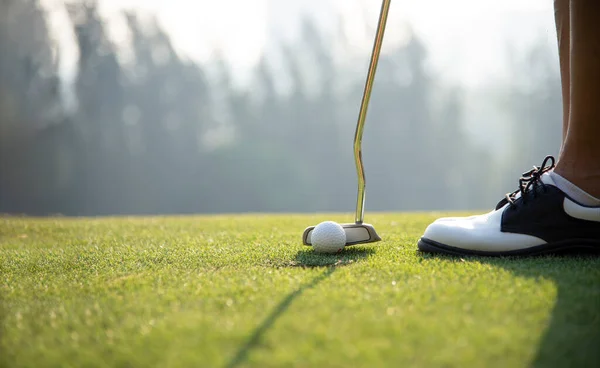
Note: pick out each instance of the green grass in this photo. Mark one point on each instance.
(243, 291)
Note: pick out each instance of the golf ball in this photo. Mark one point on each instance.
(328, 237)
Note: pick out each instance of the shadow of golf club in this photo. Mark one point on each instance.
(254, 339)
(304, 258)
(3, 317)
(572, 338)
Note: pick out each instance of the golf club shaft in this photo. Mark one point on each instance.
(360, 204)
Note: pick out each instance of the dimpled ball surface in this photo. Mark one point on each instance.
(328, 237)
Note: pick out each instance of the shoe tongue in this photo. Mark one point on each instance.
(546, 178)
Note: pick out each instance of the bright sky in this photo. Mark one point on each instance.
(467, 39)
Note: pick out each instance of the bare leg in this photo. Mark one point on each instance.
(579, 160)
(563, 32)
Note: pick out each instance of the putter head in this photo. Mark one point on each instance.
(355, 234)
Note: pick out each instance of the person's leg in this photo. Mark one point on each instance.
(554, 208)
(579, 160)
(563, 33)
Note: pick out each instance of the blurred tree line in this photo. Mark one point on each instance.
(158, 133)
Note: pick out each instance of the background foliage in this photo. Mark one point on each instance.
(157, 133)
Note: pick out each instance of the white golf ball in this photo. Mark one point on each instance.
(328, 237)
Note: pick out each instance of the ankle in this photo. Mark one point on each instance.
(587, 179)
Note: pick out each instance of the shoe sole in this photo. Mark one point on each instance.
(576, 246)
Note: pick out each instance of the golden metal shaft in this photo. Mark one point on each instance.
(360, 204)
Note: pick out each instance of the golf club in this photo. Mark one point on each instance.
(359, 232)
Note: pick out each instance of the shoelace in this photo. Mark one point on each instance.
(528, 183)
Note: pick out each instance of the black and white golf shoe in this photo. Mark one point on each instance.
(538, 218)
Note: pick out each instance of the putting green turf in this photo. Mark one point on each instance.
(243, 291)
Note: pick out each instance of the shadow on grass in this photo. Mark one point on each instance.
(254, 339)
(309, 258)
(3, 352)
(304, 258)
(572, 338)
